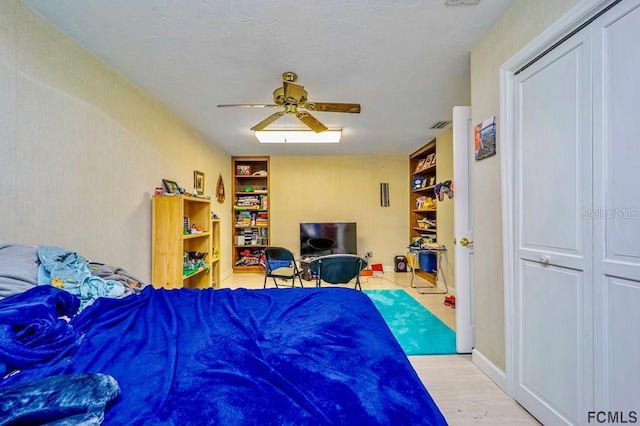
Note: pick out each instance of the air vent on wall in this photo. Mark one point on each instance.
(461, 2)
(440, 125)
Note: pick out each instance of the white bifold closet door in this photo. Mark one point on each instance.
(616, 215)
(554, 284)
(577, 224)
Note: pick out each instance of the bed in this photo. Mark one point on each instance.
(296, 356)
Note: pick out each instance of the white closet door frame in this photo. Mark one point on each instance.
(577, 16)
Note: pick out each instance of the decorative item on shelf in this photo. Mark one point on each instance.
(171, 187)
(426, 223)
(421, 165)
(418, 183)
(197, 255)
(195, 229)
(428, 160)
(432, 181)
(243, 169)
(425, 203)
(259, 173)
(198, 182)
(429, 203)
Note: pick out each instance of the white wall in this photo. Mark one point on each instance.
(82, 149)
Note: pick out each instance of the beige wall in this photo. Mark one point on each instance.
(82, 149)
(342, 189)
(525, 20)
(444, 172)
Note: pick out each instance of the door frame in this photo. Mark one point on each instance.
(553, 35)
(462, 204)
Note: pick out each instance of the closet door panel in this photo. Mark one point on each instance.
(549, 373)
(549, 156)
(616, 214)
(553, 289)
(622, 298)
(622, 145)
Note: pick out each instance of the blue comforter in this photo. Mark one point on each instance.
(229, 357)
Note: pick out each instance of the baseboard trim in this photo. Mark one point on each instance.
(487, 367)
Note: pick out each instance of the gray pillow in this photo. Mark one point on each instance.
(18, 268)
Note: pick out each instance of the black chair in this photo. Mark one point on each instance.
(338, 269)
(279, 263)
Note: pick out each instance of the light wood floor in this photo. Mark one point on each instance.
(463, 393)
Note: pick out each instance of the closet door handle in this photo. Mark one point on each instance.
(545, 259)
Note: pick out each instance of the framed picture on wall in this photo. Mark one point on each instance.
(198, 182)
(485, 138)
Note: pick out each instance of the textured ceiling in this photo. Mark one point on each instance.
(405, 61)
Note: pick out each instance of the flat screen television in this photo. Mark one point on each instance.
(320, 239)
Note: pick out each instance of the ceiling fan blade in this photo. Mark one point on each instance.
(311, 121)
(333, 107)
(248, 106)
(293, 92)
(270, 119)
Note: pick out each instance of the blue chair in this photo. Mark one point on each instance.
(279, 263)
(338, 269)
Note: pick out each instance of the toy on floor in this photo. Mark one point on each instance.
(450, 301)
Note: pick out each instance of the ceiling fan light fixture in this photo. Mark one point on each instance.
(298, 136)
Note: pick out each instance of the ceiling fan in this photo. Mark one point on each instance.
(292, 97)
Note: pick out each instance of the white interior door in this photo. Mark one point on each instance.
(553, 245)
(463, 227)
(616, 213)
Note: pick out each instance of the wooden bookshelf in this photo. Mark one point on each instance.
(251, 202)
